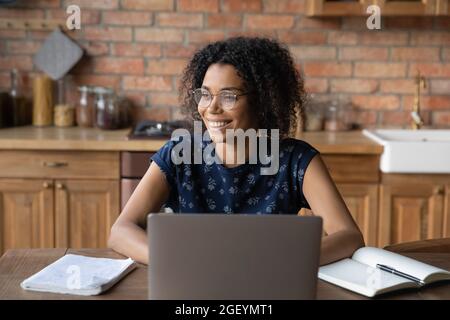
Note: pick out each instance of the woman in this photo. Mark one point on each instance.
(240, 83)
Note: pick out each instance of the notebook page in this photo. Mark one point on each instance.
(373, 256)
(361, 278)
(79, 275)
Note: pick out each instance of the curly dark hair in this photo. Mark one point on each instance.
(276, 87)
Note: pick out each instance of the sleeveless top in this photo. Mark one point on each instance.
(214, 188)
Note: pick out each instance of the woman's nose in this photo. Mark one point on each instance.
(214, 107)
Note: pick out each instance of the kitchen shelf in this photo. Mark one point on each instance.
(340, 8)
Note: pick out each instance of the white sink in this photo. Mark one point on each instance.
(413, 151)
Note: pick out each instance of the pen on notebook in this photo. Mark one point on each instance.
(400, 274)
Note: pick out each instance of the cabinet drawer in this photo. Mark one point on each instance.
(353, 168)
(59, 164)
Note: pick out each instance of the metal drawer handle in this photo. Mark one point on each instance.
(55, 164)
(59, 186)
(47, 185)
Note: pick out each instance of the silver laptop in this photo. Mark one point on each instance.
(243, 256)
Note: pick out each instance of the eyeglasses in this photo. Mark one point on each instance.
(227, 98)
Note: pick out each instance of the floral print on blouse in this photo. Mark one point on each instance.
(214, 188)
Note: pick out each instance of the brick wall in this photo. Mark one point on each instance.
(139, 47)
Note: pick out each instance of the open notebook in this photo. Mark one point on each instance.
(365, 272)
(80, 275)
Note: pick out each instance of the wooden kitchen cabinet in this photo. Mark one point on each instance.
(26, 214)
(57, 198)
(413, 207)
(362, 202)
(387, 7)
(85, 211)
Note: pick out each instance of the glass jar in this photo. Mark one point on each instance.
(314, 114)
(107, 109)
(63, 112)
(85, 108)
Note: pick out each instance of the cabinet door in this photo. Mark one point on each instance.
(410, 213)
(362, 202)
(26, 214)
(85, 212)
(446, 231)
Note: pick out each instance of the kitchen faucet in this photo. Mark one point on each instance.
(417, 121)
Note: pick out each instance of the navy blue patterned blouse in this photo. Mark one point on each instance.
(214, 188)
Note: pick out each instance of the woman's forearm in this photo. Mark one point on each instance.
(130, 240)
(340, 245)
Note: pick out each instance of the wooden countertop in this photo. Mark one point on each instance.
(17, 265)
(75, 138)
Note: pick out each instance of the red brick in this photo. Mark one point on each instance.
(153, 113)
(95, 4)
(376, 102)
(166, 66)
(342, 37)
(23, 47)
(198, 5)
(152, 5)
(124, 18)
(19, 62)
(158, 35)
(441, 119)
(241, 5)
(136, 49)
(284, 6)
(401, 118)
(321, 24)
(408, 53)
(398, 86)
(439, 86)
(327, 69)
(152, 83)
(12, 34)
(266, 21)
(179, 51)
(219, 20)
(430, 38)
(254, 33)
(438, 70)
(384, 38)
(408, 22)
(380, 70)
(354, 85)
(12, 13)
(108, 33)
(119, 65)
(181, 20)
(365, 118)
(302, 37)
(43, 34)
(313, 52)
(205, 36)
(436, 102)
(363, 53)
(355, 23)
(87, 16)
(316, 85)
(163, 99)
(445, 54)
(40, 4)
(96, 48)
(110, 81)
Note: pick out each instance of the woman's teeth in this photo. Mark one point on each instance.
(218, 124)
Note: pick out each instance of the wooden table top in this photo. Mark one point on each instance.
(76, 138)
(17, 265)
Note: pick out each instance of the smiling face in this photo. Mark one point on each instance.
(220, 77)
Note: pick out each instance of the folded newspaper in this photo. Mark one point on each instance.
(79, 275)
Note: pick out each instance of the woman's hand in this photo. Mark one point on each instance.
(128, 235)
(343, 235)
